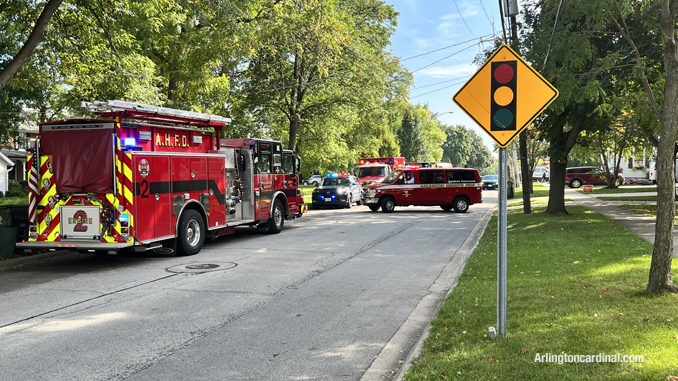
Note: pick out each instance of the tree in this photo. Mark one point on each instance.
(12, 67)
(412, 145)
(663, 15)
(597, 39)
(320, 59)
(581, 64)
(464, 148)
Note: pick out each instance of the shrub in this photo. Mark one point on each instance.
(16, 190)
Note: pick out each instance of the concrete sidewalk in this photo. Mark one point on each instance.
(639, 224)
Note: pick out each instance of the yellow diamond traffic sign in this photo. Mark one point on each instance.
(505, 95)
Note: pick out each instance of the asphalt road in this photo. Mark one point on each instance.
(338, 295)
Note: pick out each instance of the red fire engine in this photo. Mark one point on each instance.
(374, 169)
(144, 177)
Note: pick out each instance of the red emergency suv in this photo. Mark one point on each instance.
(451, 188)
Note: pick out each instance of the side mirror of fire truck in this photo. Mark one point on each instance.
(242, 162)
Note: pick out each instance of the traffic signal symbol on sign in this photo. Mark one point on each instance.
(503, 89)
(505, 95)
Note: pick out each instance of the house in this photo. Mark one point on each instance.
(5, 165)
(16, 149)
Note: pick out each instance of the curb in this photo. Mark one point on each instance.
(35, 259)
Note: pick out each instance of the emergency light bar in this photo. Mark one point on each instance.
(117, 105)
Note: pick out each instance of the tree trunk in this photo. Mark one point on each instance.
(525, 173)
(560, 147)
(557, 190)
(662, 255)
(33, 40)
(294, 128)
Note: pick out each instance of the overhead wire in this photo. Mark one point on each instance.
(436, 90)
(553, 34)
(463, 19)
(438, 83)
(486, 15)
(447, 47)
(444, 58)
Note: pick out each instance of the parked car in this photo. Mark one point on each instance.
(575, 177)
(337, 190)
(538, 174)
(490, 182)
(313, 180)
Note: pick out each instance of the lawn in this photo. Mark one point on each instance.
(539, 191)
(598, 189)
(13, 200)
(575, 285)
(636, 198)
(533, 202)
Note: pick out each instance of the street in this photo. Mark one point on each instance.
(326, 299)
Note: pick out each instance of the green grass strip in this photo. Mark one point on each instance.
(576, 285)
(637, 198)
(600, 189)
(539, 191)
(14, 200)
(533, 202)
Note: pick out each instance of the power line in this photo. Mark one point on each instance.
(447, 47)
(463, 19)
(438, 83)
(442, 88)
(486, 15)
(553, 34)
(444, 58)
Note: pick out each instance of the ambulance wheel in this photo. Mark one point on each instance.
(373, 208)
(460, 205)
(388, 204)
(191, 233)
(349, 202)
(446, 208)
(277, 218)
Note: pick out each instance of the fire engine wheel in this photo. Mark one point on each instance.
(191, 233)
(388, 204)
(373, 208)
(276, 219)
(460, 205)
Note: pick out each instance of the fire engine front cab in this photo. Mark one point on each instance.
(147, 177)
(450, 188)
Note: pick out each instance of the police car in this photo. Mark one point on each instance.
(337, 190)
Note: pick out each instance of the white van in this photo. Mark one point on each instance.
(653, 172)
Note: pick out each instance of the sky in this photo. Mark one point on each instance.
(428, 25)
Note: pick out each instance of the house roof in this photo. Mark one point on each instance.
(14, 154)
(4, 158)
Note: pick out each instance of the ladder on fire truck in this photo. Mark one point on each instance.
(112, 106)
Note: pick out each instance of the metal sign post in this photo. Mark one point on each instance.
(503, 97)
(501, 245)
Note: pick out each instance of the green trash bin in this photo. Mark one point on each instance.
(8, 232)
(510, 189)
